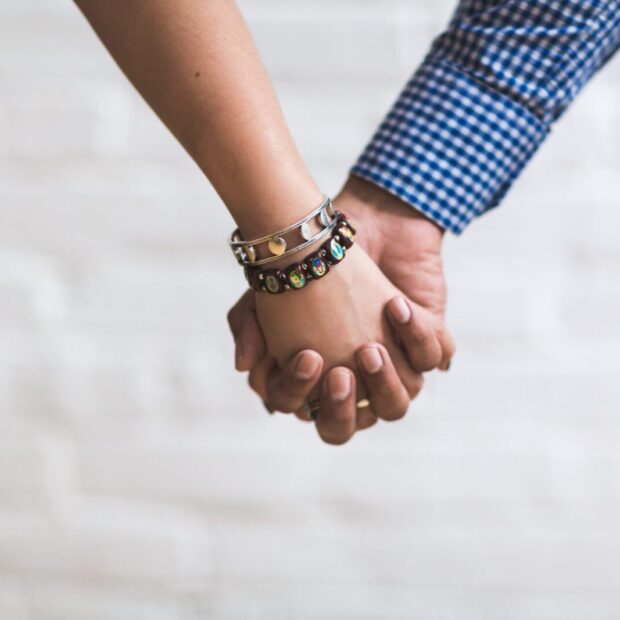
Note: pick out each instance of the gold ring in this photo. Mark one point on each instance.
(312, 406)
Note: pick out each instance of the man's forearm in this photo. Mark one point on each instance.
(196, 65)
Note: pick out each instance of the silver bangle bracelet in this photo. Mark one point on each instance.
(294, 249)
(246, 251)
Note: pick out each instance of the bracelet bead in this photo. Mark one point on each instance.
(335, 251)
(272, 281)
(346, 234)
(316, 265)
(296, 276)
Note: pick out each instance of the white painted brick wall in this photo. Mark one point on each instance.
(139, 477)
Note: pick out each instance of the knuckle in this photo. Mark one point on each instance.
(422, 331)
(414, 385)
(283, 406)
(286, 394)
(445, 337)
(232, 317)
(392, 412)
(428, 362)
(366, 423)
(425, 355)
(256, 384)
(283, 402)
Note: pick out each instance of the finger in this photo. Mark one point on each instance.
(416, 334)
(335, 421)
(303, 415)
(365, 418)
(249, 342)
(260, 373)
(288, 388)
(387, 395)
(448, 346)
(411, 379)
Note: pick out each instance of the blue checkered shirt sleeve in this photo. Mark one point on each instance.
(484, 100)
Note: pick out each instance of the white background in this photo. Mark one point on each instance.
(139, 476)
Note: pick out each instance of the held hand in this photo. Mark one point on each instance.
(406, 246)
(337, 316)
(286, 388)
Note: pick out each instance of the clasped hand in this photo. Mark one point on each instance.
(368, 330)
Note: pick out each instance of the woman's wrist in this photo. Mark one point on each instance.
(282, 244)
(278, 204)
(285, 261)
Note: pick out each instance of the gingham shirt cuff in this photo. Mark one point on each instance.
(450, 146)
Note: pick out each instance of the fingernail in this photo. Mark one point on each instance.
(371, 360)
(448, 365)
(306, 366)
(269, 409)
(339, 384)
(400, 310)
(238, 352)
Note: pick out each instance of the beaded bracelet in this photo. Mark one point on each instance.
(313, 267)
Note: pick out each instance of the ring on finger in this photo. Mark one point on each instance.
(313, 405)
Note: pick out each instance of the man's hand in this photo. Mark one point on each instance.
(406, 246)
(336, 316)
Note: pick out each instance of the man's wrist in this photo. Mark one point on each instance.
(379, 198)
(382, 211)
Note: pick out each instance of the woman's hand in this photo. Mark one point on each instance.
(406, 246)
(336, 316)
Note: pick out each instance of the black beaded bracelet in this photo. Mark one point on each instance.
(313, 267)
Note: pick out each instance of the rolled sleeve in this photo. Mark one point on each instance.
(484, 100)
(450, 147)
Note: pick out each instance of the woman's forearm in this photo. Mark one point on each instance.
(195, 63)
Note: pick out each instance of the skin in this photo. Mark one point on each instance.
(414, 266)
(195, 64)
(338, 335)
